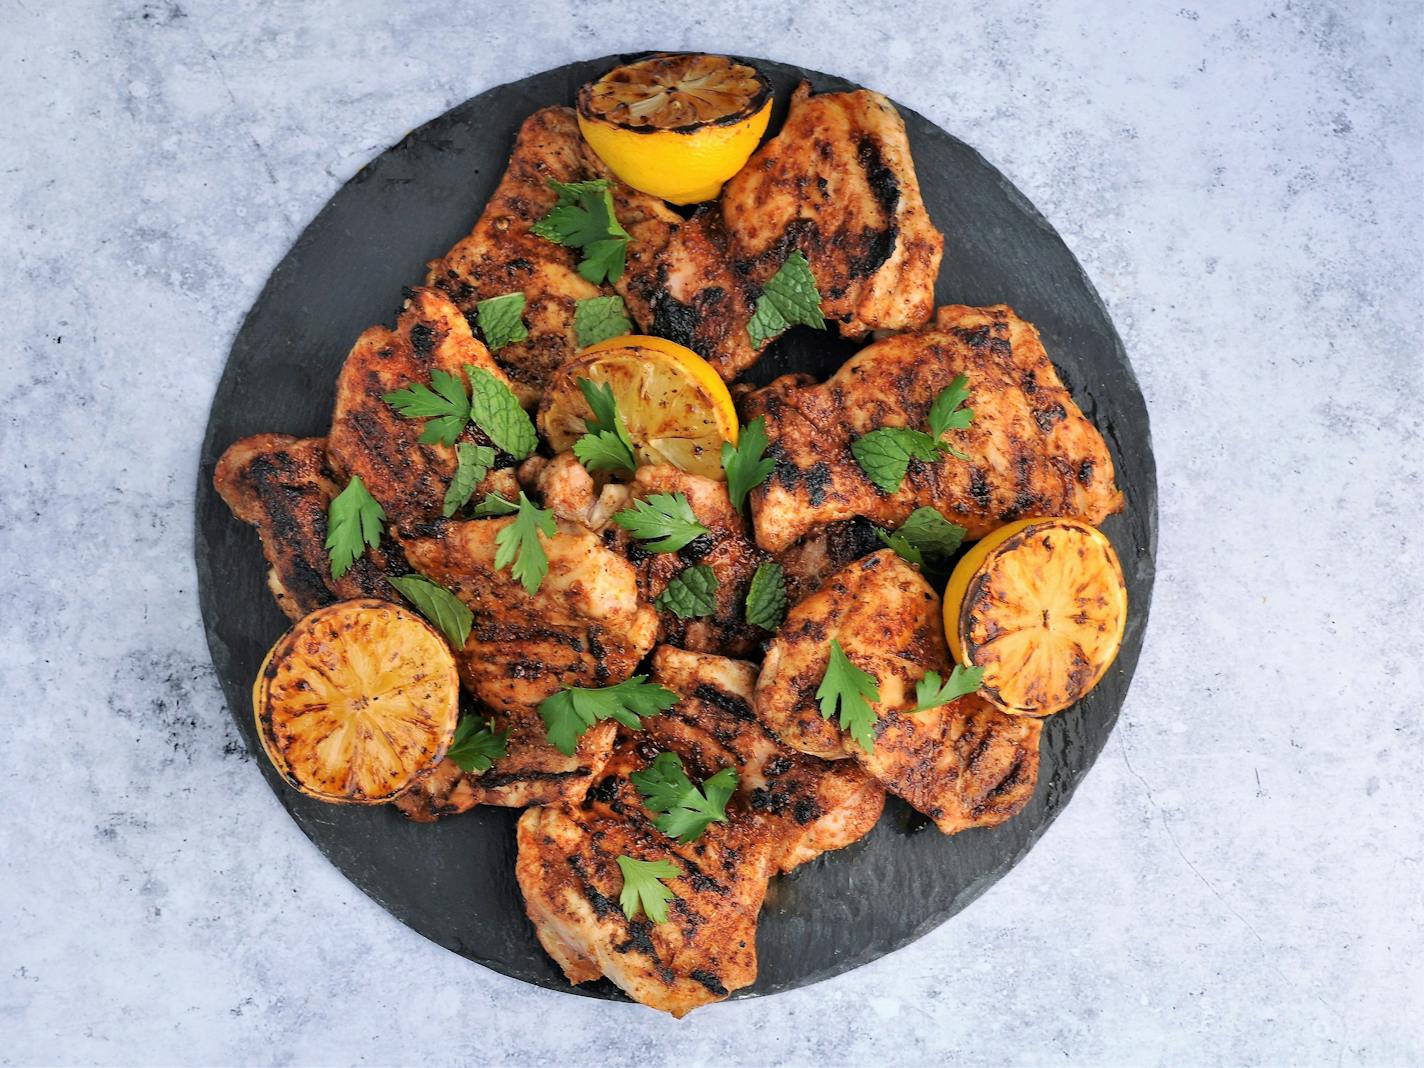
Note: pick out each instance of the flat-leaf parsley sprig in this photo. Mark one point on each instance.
(885, 454)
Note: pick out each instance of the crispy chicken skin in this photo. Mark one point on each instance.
(586, 625)
(1032, 452)
(283, 486)
(532, 773)
(964, 764)
(371, 439)
(808, 806)
(726, 548)
(838, 183)
(502, 256)
(568, 873)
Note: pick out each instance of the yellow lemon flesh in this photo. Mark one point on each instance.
(676, 126)
(675, 407)
(1041, 606)
(356, 702)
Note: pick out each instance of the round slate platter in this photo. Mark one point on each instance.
(454, 881)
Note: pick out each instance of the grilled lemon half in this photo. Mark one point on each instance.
(356, 702)
(676, 126)
(1041, 606)
(676, 408)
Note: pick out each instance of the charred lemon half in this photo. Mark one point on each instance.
(356, 702)
(674, 406)
(676, 126)
(1040, 605)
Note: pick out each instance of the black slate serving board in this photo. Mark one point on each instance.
(453, 881)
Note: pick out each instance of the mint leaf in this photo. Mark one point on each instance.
(766, 598)
(501, 320)
(884, 454)
(930, 532)
(744, 462)
(788, 298)
(691, 594)
(600, 318)
(472, 463)
(437, 604)
(496, 410)
(477, 745)
(353, 521)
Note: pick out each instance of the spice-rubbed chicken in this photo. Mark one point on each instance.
(963, 764)
(838, 184)
(501, 255)
(283, 486)
(788, 809)
(1031, 450)
(369, 438)
(585, 626)
(809, 806)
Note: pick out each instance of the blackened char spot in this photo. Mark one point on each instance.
(710, 981)
(674, 320)
(602, 906)
(727, 702)
(979, 488)
(880, 177)
(422, 338)
(1085, 472)
(489, 780)
(805, 811)
(1046, 417)
(697, 548)
(876, 247)
(817, 478)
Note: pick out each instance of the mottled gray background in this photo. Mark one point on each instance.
(1239, 879)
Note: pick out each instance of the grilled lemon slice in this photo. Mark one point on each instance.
(675, 406)
(1040, 605)
(676, 126)
(356, 702)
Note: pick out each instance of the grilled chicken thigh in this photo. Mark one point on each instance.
(532, 772)
(788, 809)
(501, 255)
(568, 873)
(371, 439)
(964, 764)
(808, 806)
(1031, 450)
(283, 486)
(586, 625)
(838, 184)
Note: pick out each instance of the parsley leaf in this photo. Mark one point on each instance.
(686, 809)
(501, 320)
(574, 709)
(600, 318)
(766, 598)
(606, 446)
(493, 504)
(472, 464)
(477, 745)
(583, 218)
(643, 888)
(664, 521)
(853, 689)
(446, 406)
(353, 521)
(930, 692)
(884, 454)
(925, 533)
(692, 593)
(518, 544)
(496, 410)
(744, 463)
(788, 298)
(437, 604)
